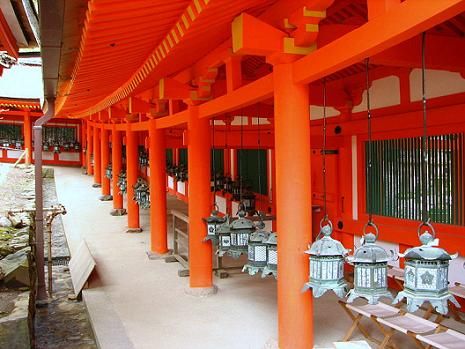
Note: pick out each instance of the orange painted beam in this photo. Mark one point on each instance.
(200, 252)
(173, 120)
(251, 36)
(293, 199)
(411, 18)
(379, 7)
(172, 89)
(157, 184)
(246, 95)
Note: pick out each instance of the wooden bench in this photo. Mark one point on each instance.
(388, 320)
(449, 339)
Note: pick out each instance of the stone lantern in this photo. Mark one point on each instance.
(370, 270)
(327, 265)
(241, 229)
(426, 275)
(256, 252)
(271, 256)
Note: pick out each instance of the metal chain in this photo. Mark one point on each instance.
(324, 152)
(424, 145)
(214, 165)
(370, 155)
(241, 158)
(259, 160)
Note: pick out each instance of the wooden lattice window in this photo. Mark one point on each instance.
(396, 178)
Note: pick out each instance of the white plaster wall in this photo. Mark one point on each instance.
(437, 82)
(456, 270)
(316, 112)
(268, 225)
(170, 182)
(263, 121)
(46, 155)
(237, 120)
(234, 208)
(384, 92)
(68, 156)
(14, 154)
(181, 188)
(221, 202)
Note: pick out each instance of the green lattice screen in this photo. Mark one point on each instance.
(396, 180)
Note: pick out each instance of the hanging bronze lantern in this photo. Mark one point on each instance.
(141, 193)
(214, 222)
(256, 256)
(45, 146)
(236, 190)
(426, 274)
(227, 184)
(77, 146)
(370, 269)
(241, 229)
(271, 267)
(143, 158)
(122, 182)
(56, 147)
(248, 198)
(326, 264)
(224, 237)
(109, 172)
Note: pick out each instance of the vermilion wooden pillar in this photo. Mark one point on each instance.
(116, 166)
(83, 143)
(157, 163)
(200, 252)
(105, 151)
(97, 158)
(28, 137)
(89, 150)
(132, 164)
(293, 208)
